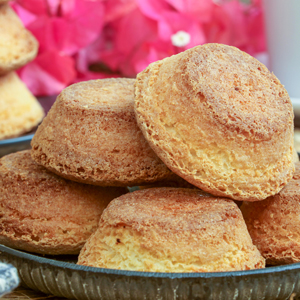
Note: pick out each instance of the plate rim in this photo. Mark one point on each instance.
(129, 273)
(20, 139)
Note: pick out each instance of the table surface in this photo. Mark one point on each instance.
(22, 293)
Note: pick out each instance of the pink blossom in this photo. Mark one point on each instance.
(49, 73)
(198, 9)
(68, 28)
(122, 37)
(129, 33)
(144, 35)
(62, 28)
(115, 9)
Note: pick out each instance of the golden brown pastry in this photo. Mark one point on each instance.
(274, 224)
(296, 175)
(43, 213)
(17, 45)
(219, 119)
(173, 181)
(171, 230)
(19, 109)
(90, 135)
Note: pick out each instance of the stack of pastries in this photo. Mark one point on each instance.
(19, 109)
(198, 132)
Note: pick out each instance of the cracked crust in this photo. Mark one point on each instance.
(171, 230)
(43, 213)
(219, 119)
(274, 223)
(90, 135)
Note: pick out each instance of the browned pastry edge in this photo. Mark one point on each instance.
(90, 135)
(273, 224)
(43, 213)
(219, 119)
(171, 230)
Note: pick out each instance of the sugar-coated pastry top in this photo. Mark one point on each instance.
(218, 118)
(108, 94)
(17, 45)
(172, 208)
(44, 213)
(90, 135)
(171, 230)
(244, 98)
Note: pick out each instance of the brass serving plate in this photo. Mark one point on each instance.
(63, 278)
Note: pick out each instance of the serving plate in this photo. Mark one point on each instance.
(15, 144)
(63, 278)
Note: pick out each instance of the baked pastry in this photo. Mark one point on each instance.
(219, 119)
(90, 135)
(296, 175)
(171, 230)
(173, 181)
(19, 109)
(274, 223)
(17, 45)
(43, 213)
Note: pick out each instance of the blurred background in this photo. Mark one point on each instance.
(89, 39)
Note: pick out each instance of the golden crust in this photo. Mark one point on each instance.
(19, 109)
(296, 175)
(274, 224)
(218, 118)
(171, 230)
(17, 45)
(90, 135)
(43, 213)
(173, 181)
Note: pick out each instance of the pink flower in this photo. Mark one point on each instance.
(49, 73)
(145, 35)
(149, 32)
(169, 20)
(128, 35)
(62, 28)
(122, 37)
(115, 9)
(237, 24)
